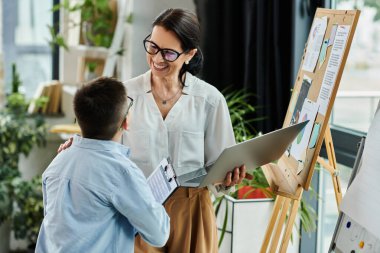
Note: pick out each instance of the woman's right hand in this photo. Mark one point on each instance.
(65, 145)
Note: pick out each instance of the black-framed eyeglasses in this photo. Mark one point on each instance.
(129, 107)
(168, 54)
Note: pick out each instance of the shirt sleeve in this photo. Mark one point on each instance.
(44, 196)
(134, 199)
(218, 136)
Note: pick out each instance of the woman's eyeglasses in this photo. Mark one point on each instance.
(169, 55)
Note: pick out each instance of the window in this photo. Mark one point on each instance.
(359, 90)
(328, 211)
(25, 42)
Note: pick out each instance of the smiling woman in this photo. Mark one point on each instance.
(178, 115)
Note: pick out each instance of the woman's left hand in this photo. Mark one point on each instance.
(236, 176)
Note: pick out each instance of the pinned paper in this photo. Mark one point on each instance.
(299, 145)
(336, 56)
(304, 91)
(293, 101)
(322, 56)
(314, 135)
(314, 43)
(332, 35)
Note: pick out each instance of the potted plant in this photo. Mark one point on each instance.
(242, 216)
(96, 22)
(19, 133)
(96, 26)
(28, 210)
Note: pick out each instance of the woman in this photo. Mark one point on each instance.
(176, 114)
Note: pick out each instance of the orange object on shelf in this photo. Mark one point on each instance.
(65, 129)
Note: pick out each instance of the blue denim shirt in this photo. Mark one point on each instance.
(96, 199)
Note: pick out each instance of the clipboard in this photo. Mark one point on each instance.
(163, 181)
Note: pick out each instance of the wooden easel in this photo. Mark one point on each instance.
(289, 177)
(285, 208)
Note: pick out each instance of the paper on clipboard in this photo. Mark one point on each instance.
(163, 181)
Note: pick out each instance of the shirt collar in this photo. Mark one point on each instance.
(104, 145)
(148, 86)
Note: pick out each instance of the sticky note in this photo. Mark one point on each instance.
(314, 135)
(322, 55)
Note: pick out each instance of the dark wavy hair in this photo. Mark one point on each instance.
(186, 26)
(99, 107)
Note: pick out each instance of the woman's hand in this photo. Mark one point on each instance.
(65, 145)
(236, 176)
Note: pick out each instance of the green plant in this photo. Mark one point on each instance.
(91, 66)
(28, 211)
(19, 133)
(240, 109)
(96, 25)
(96, 22)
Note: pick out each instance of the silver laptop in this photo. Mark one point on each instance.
(253, 153)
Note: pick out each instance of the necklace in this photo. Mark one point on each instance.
(165, 101)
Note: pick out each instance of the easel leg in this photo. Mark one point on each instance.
(276, 225)
(332, 165)
(280, 224)
(268, 234)
(290, 224)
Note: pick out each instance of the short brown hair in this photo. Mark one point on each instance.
(99, 107)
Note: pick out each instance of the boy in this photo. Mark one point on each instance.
(95, 198)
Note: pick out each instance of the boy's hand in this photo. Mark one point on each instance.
(65, 145)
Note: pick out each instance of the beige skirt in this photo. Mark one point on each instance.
(192, 224)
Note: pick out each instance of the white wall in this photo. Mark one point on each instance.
(144, 12)
(1, 25)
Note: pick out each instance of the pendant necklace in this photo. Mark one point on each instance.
(165, 101)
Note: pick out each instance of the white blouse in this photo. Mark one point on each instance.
(193, 134)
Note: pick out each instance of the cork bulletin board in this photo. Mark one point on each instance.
(312, 99)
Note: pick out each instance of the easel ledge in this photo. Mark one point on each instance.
(283, 183)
